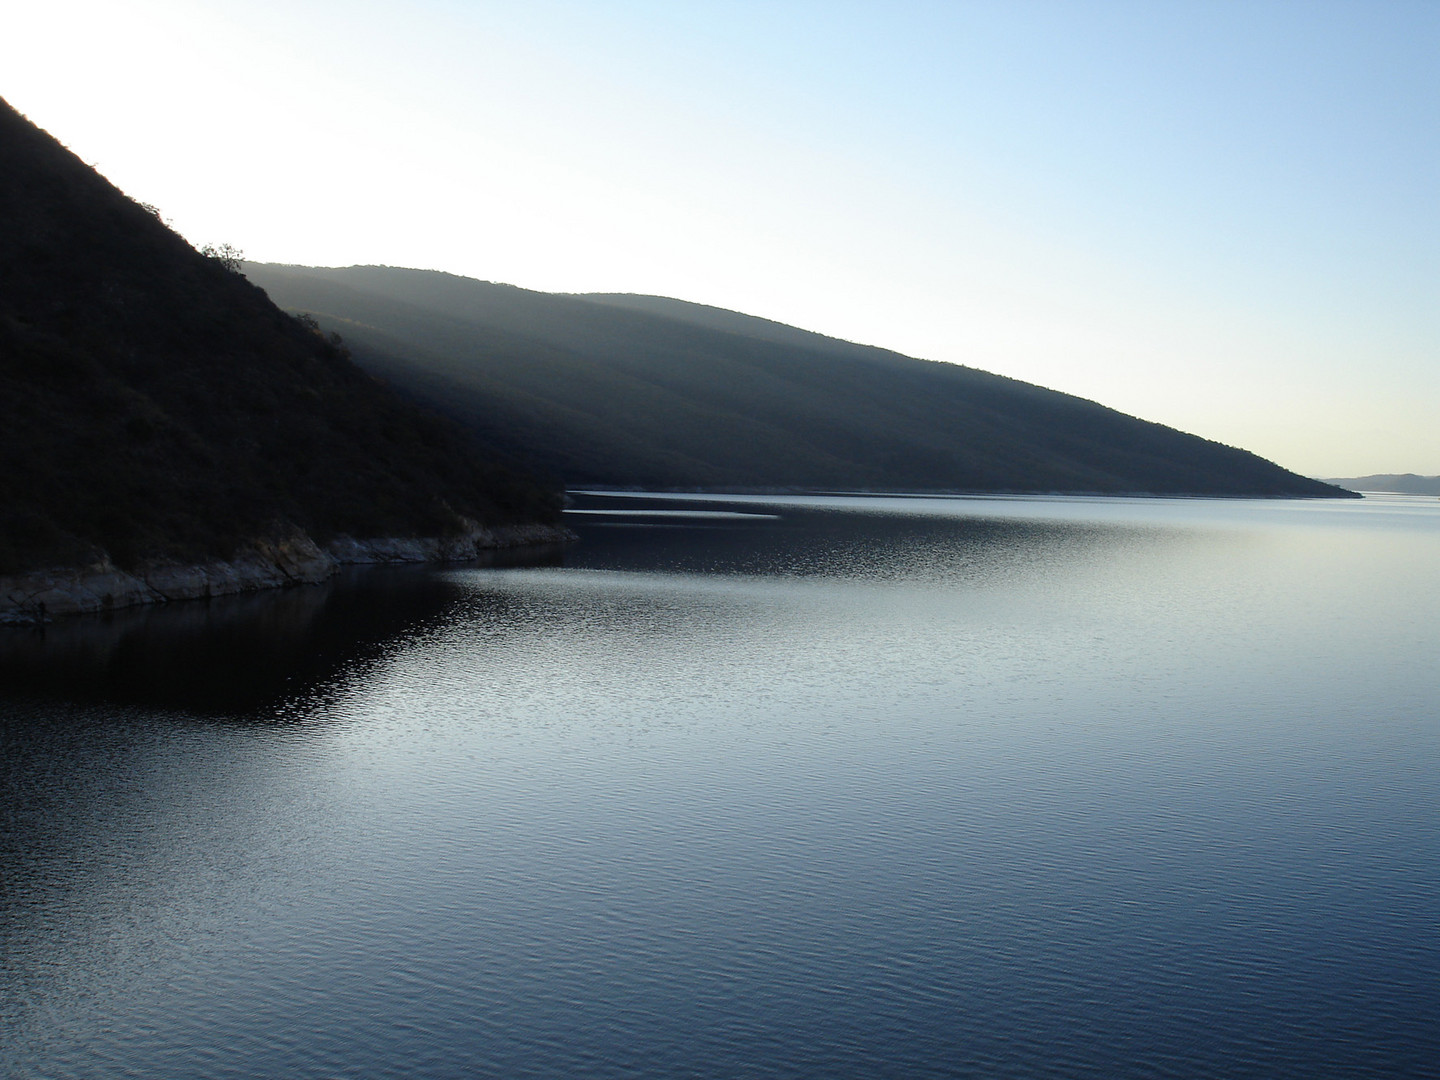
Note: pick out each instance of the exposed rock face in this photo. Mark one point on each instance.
(295, 560)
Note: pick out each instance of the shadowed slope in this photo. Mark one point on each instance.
(647, 391)
(157, 405)
(1399, 483)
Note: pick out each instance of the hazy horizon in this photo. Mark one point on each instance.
(1220, 218)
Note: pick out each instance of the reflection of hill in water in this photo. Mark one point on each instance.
(233, 655)
(254, 656)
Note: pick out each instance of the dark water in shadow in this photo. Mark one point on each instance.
(751, 787)
(238, 657)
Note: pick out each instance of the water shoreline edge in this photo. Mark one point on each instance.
(34, 597)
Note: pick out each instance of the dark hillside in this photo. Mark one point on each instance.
(734, 322)
(157, 405)
(1398, 483)
(647, 391)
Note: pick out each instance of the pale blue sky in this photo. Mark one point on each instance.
(1220, 215)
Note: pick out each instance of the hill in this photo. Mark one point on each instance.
(645, 391)
(1399, 483)
(160, 410)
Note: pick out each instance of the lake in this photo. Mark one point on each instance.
(835, 786)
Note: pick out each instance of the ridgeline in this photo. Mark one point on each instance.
(643, 391)
(1396, 483)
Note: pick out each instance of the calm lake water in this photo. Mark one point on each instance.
(751, 787)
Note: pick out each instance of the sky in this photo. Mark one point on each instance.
(1220, 215)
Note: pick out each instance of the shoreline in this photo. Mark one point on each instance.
(34, 597)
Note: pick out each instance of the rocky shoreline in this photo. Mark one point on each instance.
(33, 598)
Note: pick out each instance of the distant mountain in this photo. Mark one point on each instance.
(646, 391)
(1400, 483)
(158, 408)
